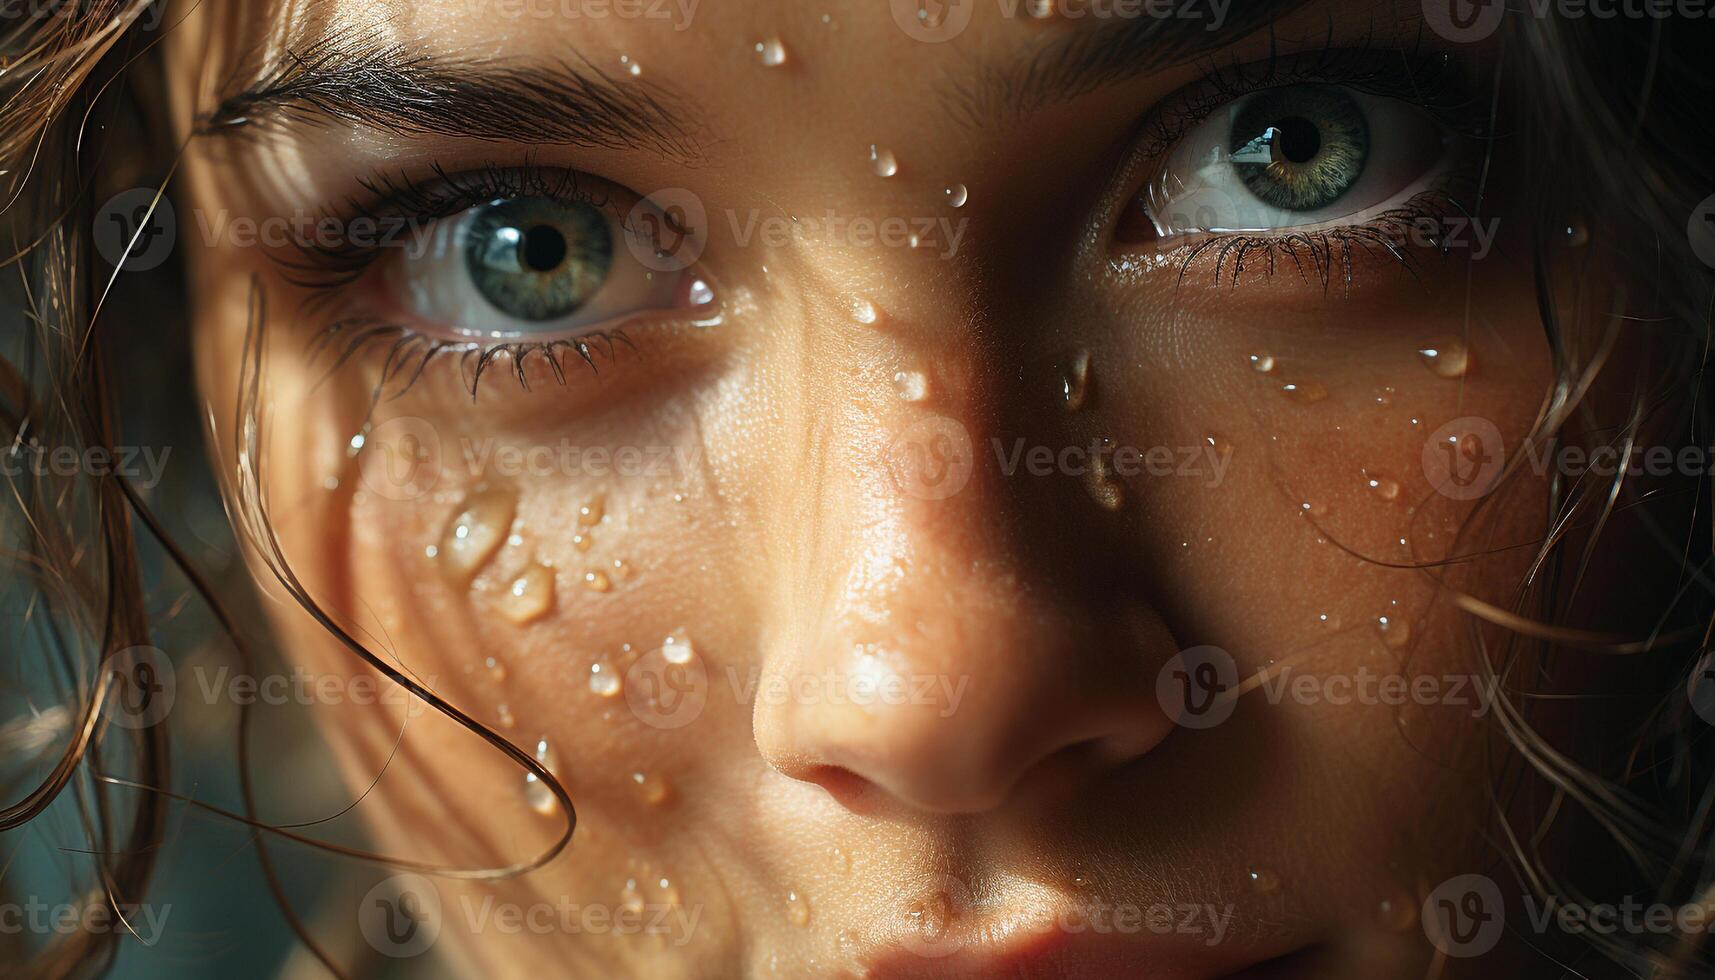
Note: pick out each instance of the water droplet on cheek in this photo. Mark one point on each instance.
(590, 514)
(677, 648)
(537, 793)
(1305, 392)
(529, 596)
(605, 680)
(1577, 234)
(841, 860)
(882, 161)
(629, 66)
(1383, 487)
(1395, 632)
(505, 716)
(1075, 383)
(957, 195)
(475, 533)
(1262, 363)
(652, 788)
(596, 580)
(1263, 881)
(863, 311)
(797, 909)
(771, 52)
(911, 386)
(1448, 357)
(1397, 913)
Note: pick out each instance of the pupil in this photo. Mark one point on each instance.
(544, 248)
(1297, 139)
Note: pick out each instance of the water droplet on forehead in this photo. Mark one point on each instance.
(771, 52)
(957, 195)
(882, 161)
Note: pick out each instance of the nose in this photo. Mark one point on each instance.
(940, 650)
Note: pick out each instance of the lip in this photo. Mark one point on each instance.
(1034, 940)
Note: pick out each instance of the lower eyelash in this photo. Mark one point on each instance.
(410, 354)
(1321, 251)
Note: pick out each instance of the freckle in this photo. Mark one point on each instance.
(529, 596)
(476, 533)
(1075, 382)
(1305, 393)
(797, 909)
(597, 581)
(1448, 357)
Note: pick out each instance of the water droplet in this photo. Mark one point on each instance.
(581, 542)
(1305, 393)
(604, 679)
(1397, 913)
(1395, 632)
(590, 514)
(1040, 9)
(1262, 363)
(496, 669)
(669, 891)
(912, 386)
(356, 445)
(505, 716)
(1384, 397)
(677, 648)
(652, 788)
(631, 897)
(957, 195)
(863, 311)
(842, 861)
(1220, 445)
(1448, 357)
(431, 551)
(537, 793)
(771, 52)
(1263, 881)
(1107, 492)
(797, 909)
(1075, 384)
(882, 161)
(931, 916)
(1383, 487)
(621, 569)
(631, 67)
(476, 533)
(529, 596)
(596, 580)
(1577, 235)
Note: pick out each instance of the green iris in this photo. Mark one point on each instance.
(537, 259)
(1299, 148)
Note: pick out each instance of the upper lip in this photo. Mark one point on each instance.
(1046, 933)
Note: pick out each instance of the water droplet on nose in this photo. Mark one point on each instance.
(957, 195)
(797, 909)
(529, 596)
(771, 52)
(677, 648)
(652, 788)
(1448, 357)
(596, 580)
(1075, 383)
(475, 533)
(536, 792)
(912, 386)
(604, 679)
(1262, 363)
(1263, 881)
(882, 161)
(1383, 487)
(863, 311)
(1304, 392)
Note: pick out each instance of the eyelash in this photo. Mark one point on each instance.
(1429, 82)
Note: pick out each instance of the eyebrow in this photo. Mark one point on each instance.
(1080, 61)
(356, 80)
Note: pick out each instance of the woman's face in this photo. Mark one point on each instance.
(950, 498)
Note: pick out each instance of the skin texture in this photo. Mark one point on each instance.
(1033, 775)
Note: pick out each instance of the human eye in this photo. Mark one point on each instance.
(1303, 158)
(527, 262)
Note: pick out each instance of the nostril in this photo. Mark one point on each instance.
(846, 787)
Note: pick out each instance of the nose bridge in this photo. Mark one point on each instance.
(921, 657)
